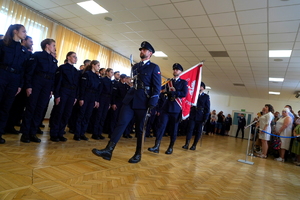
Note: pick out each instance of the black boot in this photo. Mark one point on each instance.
(155, 149)
(137, 156)
(186, 146)
(34, 138)
(170, 149)
(107, 152)
(2, 141)
(193, 147)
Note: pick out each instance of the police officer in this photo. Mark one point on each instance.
(198, 117)
(175, 89)
(65, 96)
(241, 125)
(17, 109)
(138, 99)
(89, 95)
(120, 89)
(39, 82)
(104, 104)
(13, 58)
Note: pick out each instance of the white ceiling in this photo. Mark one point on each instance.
(187, 29)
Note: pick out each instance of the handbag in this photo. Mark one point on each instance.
(276, 144)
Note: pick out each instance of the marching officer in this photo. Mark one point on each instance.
(241, 125)
(13, 58)
(65, 96)
(143, 96)
(39, 82)
(175, 89)
(198, 117)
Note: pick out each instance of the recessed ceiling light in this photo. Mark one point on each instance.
(92, 7)
(108, 19)
(280, 53)
(276, 93)
(276, 79)
(159, 54)
(207, 87)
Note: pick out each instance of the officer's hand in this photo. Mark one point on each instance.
(114, 107)
(158, 113)
(57, 100)
(74, 102)
(96, 104)
(81, 102)
(51, 93)
(18, 91)
(28, 91)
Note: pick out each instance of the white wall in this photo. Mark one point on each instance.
(229, 103)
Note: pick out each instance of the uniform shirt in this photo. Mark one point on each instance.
(107, 86)
(241, 121)
(119, 92)
(90, 86)
(66, 77)
(42, 63)
(181, 89)
(14, 56)
(148, 75)
(200, 112)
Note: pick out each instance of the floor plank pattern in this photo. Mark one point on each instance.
(68, 170)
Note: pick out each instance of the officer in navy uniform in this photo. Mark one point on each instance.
(241, 125)
(39, 83)
(104, 103)
(65, 96)
(176, 88)
(120, 89)
(198, 117)
(13, 59)
(143, 96)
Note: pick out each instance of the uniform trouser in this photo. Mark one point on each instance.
(237, 132)
(101, 115)
(9, 83)
(150, 122)
(17, 110)
(172, 119)
(73, 118)
(36, 104)
(126, 115)
(83, 116)
(61, 113)
(192, 124)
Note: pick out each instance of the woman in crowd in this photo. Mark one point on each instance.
(219, 123)
(296, 143)
(13, 58)
(284, 128)
(265, 125)
(65, 96)
(213, 120)
(89, 95)
(228, 123)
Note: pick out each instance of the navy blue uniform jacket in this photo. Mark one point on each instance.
(149, 75)
(66, 77)
(181, 89)
(201, 111)
(90, 86)
(119, 92)
(14, 56)
(42, 64)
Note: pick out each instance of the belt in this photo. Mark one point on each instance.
(45, 75)
(143, 87)
(69, 87)
(10, 69)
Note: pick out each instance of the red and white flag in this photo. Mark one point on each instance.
(193, 77)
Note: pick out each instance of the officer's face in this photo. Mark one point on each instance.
(176, 72)
(117, 76)
(21, 33)
(145, 54)
(28, 43)
(51, 47)
(72, 59)
(110, 73)
(201, 88)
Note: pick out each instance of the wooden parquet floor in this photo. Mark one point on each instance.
(69, 170)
